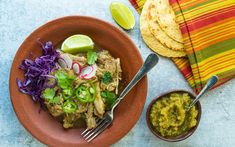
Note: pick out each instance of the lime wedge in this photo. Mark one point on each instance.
(77, 43)
(122, 15)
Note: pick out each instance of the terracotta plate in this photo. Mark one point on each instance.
(42, 125)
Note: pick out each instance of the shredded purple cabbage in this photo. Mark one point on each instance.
(37, 73)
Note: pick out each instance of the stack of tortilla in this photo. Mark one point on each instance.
(159, 29)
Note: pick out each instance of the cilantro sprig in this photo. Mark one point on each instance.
(64, 80)
(49, 95)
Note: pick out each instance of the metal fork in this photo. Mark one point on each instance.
(102, 124)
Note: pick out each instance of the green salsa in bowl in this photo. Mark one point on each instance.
(168, 118)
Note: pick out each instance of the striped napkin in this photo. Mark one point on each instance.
(208, 28)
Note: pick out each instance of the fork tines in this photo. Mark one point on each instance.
(90, 134)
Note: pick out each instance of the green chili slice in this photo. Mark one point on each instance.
(69, 107)
(86, 95)
(83, 94)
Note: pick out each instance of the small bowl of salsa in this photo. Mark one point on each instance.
(168, 118)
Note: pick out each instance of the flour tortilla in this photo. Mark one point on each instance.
(151, 41)
(167, 19)
(158, 32)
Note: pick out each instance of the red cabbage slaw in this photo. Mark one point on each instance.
(37, 73)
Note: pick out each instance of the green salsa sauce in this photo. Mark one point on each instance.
(169, 117)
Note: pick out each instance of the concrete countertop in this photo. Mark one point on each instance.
(18, 18)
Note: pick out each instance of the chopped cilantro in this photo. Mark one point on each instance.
(110, 97)
(107, 78)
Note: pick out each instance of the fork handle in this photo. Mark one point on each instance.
(149, 63)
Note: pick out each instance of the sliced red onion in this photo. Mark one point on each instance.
(50, 84)
(88, 72)
(77, 68)
(62, 63)
(67, 60)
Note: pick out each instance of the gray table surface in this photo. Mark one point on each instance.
(18, 18)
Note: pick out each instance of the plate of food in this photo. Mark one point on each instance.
(69, 72)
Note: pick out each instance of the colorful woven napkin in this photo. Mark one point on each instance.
(208, 28)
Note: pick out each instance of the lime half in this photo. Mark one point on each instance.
(77, 43)
(122, 15)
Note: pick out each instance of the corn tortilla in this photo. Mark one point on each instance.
(158, 32)
(167, 19)
(151, 41)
